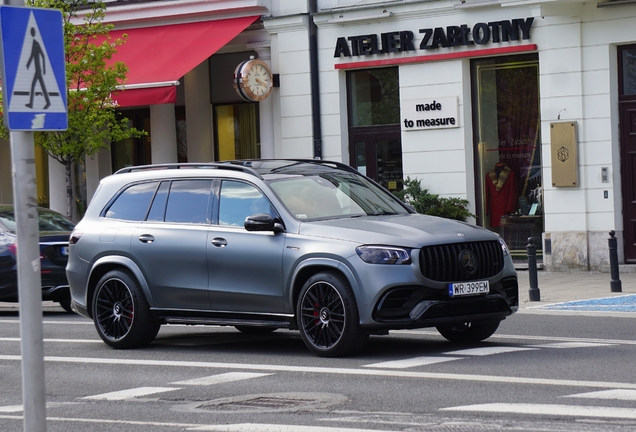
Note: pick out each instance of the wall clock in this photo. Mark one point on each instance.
(253, 80)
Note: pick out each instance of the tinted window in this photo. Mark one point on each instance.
(133, 203)
(240, 200)
(188, 202)
(158, 208)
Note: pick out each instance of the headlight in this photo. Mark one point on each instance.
(504, 247)
(384, 255)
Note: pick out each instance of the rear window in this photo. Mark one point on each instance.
(132, 204)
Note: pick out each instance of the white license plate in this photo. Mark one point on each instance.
(468, 288)
(64, 250)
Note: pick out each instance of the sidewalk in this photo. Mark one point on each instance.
(578, 291)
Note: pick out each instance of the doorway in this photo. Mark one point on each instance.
(627, 119)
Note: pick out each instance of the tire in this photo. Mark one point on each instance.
(468, 331)
(255, 330)
(328, 317)
(121, 313)
(66, 305)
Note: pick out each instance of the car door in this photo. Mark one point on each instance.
(245, 267)
(170, 246)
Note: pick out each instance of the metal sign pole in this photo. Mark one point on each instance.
(29, 278)
(29, 281)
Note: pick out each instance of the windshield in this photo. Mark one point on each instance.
(47, 220)
(325, 196)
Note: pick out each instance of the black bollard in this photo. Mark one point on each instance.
(615, 283)
(534, 293)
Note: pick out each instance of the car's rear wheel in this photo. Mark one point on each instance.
(468, 331)
(121, 313)
(328, 317)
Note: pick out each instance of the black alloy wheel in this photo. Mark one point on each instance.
(468, 331)
(328, 316)
(121, 313)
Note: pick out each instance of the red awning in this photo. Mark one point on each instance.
(159, 55)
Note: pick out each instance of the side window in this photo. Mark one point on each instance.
(158, 208)
(188, 202)
(238, 201)
(132, 204)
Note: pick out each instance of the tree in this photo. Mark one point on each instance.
(91, 78)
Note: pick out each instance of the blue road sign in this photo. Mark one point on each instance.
(33, 69)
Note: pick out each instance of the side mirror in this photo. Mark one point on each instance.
(263, 222)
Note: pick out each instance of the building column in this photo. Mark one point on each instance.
(199, 125)
(57, 186)
(266, 106)
(163, 133)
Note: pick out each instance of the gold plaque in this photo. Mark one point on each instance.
(564, 150)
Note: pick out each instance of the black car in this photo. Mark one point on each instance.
(54, 233)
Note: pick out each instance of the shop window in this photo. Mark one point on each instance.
(375, 97)
(508, 148)
(133, 151)
(237, 131)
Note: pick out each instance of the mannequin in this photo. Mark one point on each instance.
(501, 193)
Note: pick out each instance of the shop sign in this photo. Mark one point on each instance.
(434, 113)
(434, 38)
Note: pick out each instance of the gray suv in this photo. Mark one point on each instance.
(267, 244)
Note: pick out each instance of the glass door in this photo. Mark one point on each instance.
(508, 148)
(378, 155)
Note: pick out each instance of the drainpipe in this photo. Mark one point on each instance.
(315, 82)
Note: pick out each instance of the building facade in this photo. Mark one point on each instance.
(525, 109)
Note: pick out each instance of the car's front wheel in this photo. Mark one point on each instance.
(468, 331)
(121, 313)
(328, 316)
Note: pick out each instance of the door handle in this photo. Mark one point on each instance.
(219, 242)
(146, 238)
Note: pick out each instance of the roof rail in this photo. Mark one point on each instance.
(191, 165)
(340, 165)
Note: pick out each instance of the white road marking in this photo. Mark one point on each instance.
(619, 394)
(548, 409)
(335, 371)
(411, 362)
(79, 322)
(571, 345)
(221, 378)
(485, 351)
(11, 408)
(56, 340)
(131, 393)
(243, 427)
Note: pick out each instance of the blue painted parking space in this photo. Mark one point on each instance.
(624, 303)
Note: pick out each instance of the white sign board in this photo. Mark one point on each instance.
(430, 113)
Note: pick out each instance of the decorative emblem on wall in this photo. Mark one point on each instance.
(563, 154)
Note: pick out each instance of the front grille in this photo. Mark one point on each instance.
(441, 262)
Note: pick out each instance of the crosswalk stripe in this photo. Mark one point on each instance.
(549, 409)
(411, 362)
(570, 345)
(130, 393)
(221, 378)
(485, 351)
(619, 394)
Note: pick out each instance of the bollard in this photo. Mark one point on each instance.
(615, 283)
(534, 293)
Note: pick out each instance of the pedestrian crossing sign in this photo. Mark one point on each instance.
(33, 69)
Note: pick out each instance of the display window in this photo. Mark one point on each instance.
(237, 131)
(508, 148)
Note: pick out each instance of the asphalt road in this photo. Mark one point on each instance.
(539, 372)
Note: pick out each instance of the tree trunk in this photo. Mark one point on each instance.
(69, 190)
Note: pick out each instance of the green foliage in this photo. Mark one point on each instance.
(427, 203)
(93, 122)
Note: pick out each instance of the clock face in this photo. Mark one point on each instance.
(254, 80)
